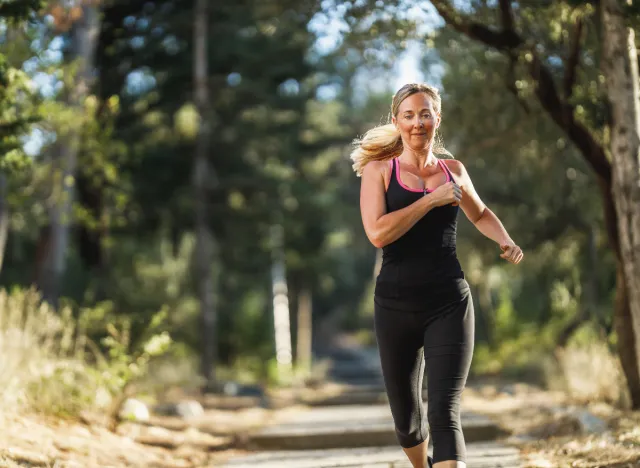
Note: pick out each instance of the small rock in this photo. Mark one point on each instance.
(189, 409)
(186, 409)
(230, 388)
(509, 389)
(591, 424)
(134, 410)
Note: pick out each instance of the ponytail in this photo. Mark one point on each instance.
(378, 144)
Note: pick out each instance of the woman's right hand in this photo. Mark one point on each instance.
(449, 193)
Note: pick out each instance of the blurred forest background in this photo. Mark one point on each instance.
(165, 163)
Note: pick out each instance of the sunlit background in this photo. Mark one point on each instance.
(246, 273)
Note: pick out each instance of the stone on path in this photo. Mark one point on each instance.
(479, 455)
(134, 410)
(185, 409)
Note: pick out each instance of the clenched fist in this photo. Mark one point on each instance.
(511, 253)
(449, 193)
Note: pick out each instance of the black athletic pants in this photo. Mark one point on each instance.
(441, 333)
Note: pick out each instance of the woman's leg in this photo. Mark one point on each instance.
(400, 342)
(418, 455)
(448, 349)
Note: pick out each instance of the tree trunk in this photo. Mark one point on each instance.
(280, 298)
(4, 217)
(304, 335)
(201, 178)
(84, 37)
(620, 68)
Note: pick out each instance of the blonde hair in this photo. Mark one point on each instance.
(383, 142)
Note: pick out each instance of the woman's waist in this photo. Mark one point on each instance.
(395, 255)
(434, 292)
(419, 270)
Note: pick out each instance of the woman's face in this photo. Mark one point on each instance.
(417, 121)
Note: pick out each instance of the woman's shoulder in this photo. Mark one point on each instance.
(377, 167)
(455, 166)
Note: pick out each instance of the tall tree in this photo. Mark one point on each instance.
(82, 48)
(558, 101)
(620, 68)
(202, 178)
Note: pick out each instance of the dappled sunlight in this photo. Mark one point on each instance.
(191, 200)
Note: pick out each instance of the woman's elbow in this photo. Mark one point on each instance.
(378, 244)
(377, 240)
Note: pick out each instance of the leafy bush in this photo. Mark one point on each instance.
(50, 363)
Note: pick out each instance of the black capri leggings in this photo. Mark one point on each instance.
(442, 334)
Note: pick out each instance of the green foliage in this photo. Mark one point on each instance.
(124, 362)
(20, 10)
(16, 116)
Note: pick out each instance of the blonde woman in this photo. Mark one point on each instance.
(409, 202)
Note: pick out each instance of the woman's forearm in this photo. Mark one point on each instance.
(392, 226)
(489, 225)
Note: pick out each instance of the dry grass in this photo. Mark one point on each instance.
(589, 373)
(41, 356)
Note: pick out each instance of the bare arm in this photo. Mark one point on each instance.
(383, 228)
(482, 217)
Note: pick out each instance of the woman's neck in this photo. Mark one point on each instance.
(421, 159)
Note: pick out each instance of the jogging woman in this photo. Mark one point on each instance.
(409, 202)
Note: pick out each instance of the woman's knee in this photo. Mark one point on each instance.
(443, 414)
(409, 438)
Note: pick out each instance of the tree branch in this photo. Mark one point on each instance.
(562, 114)
(506, 13)
(573, 59)
(503, 40)
(560, 110)
(510, 81)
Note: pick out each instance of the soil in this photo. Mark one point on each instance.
(544, 425)
(547, 428)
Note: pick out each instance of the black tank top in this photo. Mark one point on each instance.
(423, 260)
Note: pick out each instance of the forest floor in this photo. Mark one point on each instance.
(550, 430)
(554, 431)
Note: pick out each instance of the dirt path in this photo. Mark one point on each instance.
(544, 427)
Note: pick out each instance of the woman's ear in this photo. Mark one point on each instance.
(394, 122)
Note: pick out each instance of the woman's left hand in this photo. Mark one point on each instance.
(511, 253)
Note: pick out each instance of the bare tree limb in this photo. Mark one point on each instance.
(503, 40)
(510, 82)
(562, 114)
(506, 13)
(574, 59)
(560, 110)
